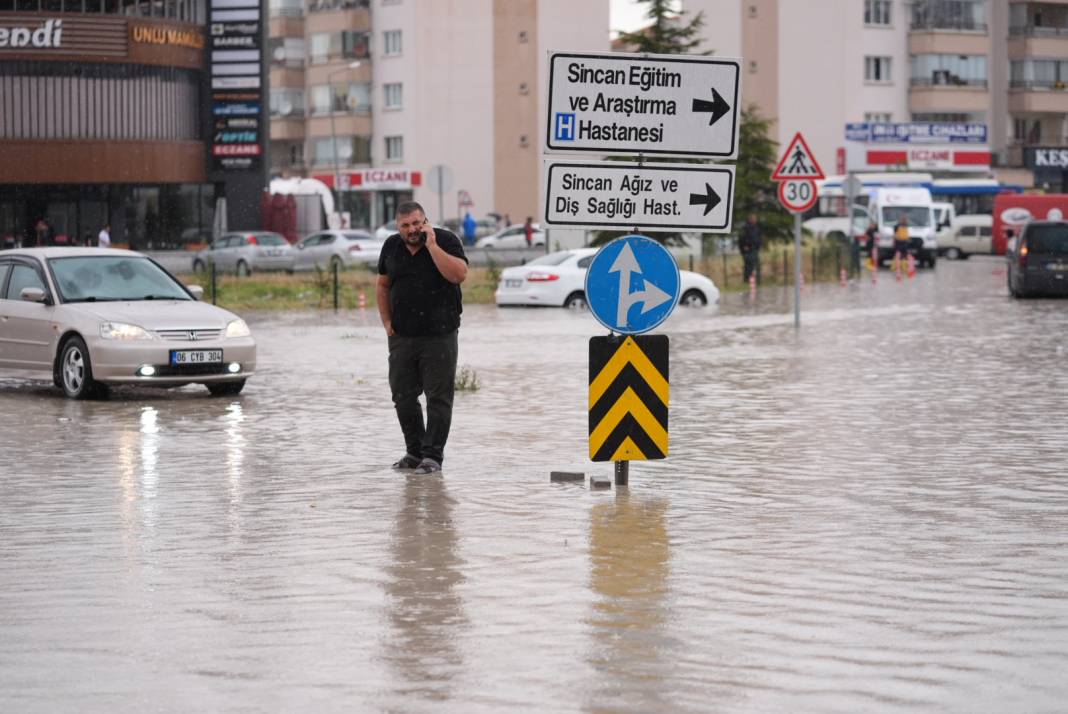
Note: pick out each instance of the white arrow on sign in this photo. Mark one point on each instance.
(654, 197)
(650, 295)
(669, 105)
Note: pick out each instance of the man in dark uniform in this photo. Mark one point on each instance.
(419, 301)
(750, 241)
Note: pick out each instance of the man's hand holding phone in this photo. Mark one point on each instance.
(429, 238)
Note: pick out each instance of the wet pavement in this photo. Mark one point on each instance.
(867, 515)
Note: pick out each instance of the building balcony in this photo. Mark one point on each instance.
(343, 124)
(286, 26)
(287, 128)
(1038, 97)
(951, 95)
(286, 77)
(1025, 47)
(949, 43)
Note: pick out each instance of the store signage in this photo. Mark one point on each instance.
(48, 34)
(1043, 158)
(236, 67)
(932, 158)
(375, 180)
(917, 132)
(150, 34)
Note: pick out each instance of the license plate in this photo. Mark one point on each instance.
(1056, 266)
(274, 253)
(196, 356)
(513, 283)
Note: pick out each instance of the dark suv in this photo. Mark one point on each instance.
(1038, 260)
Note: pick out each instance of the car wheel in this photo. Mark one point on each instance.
(931, 262)
(576, 301)
(198, 266)
(952, 254)
(693, 298)
(243, 269)
(226, 389)
(76, 371)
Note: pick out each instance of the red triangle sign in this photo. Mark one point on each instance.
(797, 162)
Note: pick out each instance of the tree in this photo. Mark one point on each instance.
(754, 191)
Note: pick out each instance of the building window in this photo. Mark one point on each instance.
(394, 148)
(877, 117)
(949, 70)
(332, 46)
(350, 150)
(964, 15)
(877, 69)
(287, 102)
(1038, 74)
(346, 98)
(329, 5)
(391, 43)
(950, 117)
(877, 12)
(1026, 130)
(286, 51)
(287, 8)
(393, 95)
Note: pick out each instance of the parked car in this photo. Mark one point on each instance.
(244, 253)
(91, 317)
(559, 280)
(343, 248)
(971, 235)
(1038, 260)
(385, 230)
(514, 236)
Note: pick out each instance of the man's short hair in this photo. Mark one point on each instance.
(409, 207)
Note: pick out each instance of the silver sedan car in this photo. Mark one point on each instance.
(344, 248)
(243, 253)
(91, 317)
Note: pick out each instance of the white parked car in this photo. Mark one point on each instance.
(514, 236)
(243, 253)
(345, 248)
(89, 317)
(385, 230)
(559, 280)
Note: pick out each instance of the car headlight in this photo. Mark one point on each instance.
(123, 331)
(238, 328)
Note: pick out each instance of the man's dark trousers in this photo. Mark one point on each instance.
(420, 365)
(752, 264)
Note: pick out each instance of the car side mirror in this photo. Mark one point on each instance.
(32, 295)
(300, 246)
(196, 290)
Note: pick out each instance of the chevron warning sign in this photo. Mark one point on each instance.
(629, 398)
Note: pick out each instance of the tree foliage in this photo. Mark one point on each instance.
(754, 191)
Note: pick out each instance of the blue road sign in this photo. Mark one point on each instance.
(632, 285)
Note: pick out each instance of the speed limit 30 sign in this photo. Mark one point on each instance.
(797, 195)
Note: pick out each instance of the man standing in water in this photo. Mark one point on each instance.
(419, 301)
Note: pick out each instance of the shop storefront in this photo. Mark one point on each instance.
(1050, 167)
(106, 117)
(370, 196)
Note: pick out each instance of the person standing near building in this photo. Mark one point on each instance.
(419, 301)
(104, 239)
(470, 228)
(750, 241)
(901, 243)
(528, 231)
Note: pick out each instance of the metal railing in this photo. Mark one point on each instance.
(950, 81)
(1038, 84)
(926, 25)
(1036, 31)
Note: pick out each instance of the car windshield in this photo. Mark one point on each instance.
(919, 216)
(108, 278)
(551, 258)
(270, 239)
(1048, 238)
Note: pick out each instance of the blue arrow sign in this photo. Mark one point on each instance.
(632, 285)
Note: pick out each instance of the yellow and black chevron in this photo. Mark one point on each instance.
(629, 398)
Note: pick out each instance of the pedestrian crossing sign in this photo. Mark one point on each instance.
(797, 162)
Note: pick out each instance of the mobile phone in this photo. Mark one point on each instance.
(422, 234)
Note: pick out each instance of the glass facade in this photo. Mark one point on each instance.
(949, 70)
(1038, 74)
(962, 15)
(194, 11)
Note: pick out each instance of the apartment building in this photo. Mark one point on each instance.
(402, 87)
(818, 65)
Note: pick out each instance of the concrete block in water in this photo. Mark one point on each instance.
(566, 476)
(598, 482)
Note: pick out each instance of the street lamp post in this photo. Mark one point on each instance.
(333, 135)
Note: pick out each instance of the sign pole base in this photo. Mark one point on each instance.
(622, 470)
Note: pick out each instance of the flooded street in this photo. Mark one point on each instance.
(866, 515)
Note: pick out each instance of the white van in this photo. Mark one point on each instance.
(945, 215)
(889, 204)
(971, 235)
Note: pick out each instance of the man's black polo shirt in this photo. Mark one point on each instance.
(422, 301)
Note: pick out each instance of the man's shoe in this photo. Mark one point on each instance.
(428, 466)
(407, 462)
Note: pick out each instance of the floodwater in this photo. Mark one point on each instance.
(866, 515)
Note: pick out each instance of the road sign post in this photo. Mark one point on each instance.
(797, 172)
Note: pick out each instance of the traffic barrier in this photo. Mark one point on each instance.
(752, 284)
(362, 300)
(912, 266)
(843, 279)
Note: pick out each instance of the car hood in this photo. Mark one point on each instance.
(157, 314)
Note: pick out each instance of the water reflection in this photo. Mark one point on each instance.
(629, 573)
(235, 459)
(426, 613)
